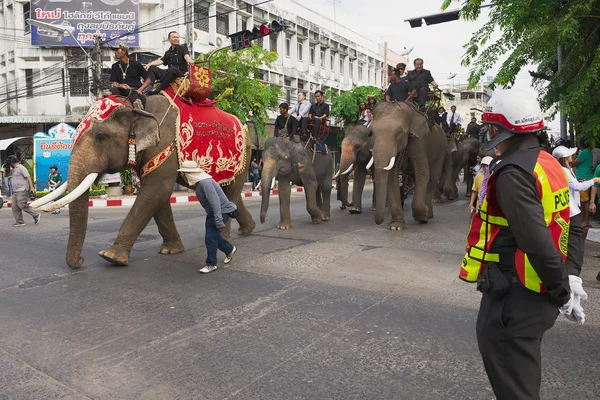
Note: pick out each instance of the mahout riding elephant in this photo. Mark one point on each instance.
(104, 148)
(295, 163)
(399, 131)
(356, 156)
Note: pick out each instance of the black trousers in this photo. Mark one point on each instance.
(132, 95)
(509, 335)
(576, 248)
(422, 95)
(316, 127)
(165, 76)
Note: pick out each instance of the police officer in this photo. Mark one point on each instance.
(516, 249)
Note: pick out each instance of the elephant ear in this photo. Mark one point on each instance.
(145, 128)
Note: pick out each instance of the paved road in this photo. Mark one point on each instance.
(341, 310)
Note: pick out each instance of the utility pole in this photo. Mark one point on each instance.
(97, 67)
(563, 118)
(189, 21)
(384, 74)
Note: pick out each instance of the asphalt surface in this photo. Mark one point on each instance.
(341, 310)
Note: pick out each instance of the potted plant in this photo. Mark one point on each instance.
(126, 181)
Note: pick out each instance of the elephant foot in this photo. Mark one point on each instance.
(436, 200)
(372, 208)
(115, 255)
(247, 230)
(316, 220)
(284, 225)
(171, 248)
(356, 210)
(468, 194)
(396, 226)
(420, 213)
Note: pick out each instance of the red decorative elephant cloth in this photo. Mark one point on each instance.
(212, 138)
(98, 112)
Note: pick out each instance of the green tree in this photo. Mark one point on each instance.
(236, 85)
(531, 32)
(345, 106)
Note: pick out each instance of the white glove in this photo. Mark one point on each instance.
(572, 309)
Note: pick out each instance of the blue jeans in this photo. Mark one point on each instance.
(213, 240)
(254, 180)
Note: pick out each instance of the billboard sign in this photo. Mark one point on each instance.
(110, 19)
(52, 148)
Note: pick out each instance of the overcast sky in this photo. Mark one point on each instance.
(441, 45)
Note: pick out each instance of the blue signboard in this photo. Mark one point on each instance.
(83, 20)
(52, 148)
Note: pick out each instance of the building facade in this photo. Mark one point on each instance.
(42, 86)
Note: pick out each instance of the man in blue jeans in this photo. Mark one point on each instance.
(218, 211)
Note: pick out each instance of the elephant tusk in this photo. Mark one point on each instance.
(273, 183)
(74, 195)
(336, 174)
(50, 196)
(348, 170)
(391, 164)
(370, 164)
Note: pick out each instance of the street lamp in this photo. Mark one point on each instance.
(451, 76)
(406, 53)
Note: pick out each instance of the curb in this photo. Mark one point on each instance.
(173, 199)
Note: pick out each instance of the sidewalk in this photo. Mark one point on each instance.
(184, 196)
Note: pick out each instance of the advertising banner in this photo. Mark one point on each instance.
(52, 148)
(110, 19)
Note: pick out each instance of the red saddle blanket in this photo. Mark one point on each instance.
(213, 138)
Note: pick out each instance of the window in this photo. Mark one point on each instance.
(26, 16)
(223, 24)
(300, 51)
(312, 54)
(29, 82)
(288, 45)
(341, 65)
(273, 43)
(79, 82)
(288, 96)
(350, 68)
(201, 15)
(242, 22)
(360, 75)
(322, 58)
(331, 58)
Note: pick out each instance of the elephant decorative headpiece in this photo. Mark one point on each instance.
(101, 110)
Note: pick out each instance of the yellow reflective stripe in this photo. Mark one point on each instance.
(477, 254)
(532, 280)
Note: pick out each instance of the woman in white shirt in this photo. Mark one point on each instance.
(576, 247)
(364, 115)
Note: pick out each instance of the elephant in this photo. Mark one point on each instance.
(281, 159)
(402, 134)
(103, 148)
(463, 158)
(356, 156)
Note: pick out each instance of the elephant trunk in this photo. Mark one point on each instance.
(420, 203)
(78, 215)
(347, 159)
(269, 172)
(381, 181)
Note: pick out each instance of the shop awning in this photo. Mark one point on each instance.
(39, 119)
(7, 142)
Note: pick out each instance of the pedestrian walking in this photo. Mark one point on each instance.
(54, 181)
(7, 178)
(218, 211)
(576, 248)
(516, 248)
(583, 172)
(254, 173)
(475, 204)
(22, 186)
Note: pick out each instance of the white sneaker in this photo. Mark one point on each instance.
(208, 269)
(229, 256)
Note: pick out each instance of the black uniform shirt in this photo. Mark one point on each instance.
(419, 79)
(399, 91)
(280, 124)
(518, 198)
(135, 74)
(319, 109)
(175, 57)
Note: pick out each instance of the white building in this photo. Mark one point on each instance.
(469, 102)
(42, 86)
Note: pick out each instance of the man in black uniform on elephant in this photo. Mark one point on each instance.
(177, 59)
(516, 249)
(318, 112)
(420, 79)
(128, 77)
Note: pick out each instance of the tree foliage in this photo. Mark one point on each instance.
(345, 106)
(236, 85)
(531, 32)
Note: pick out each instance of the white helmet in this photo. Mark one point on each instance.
(514, 111)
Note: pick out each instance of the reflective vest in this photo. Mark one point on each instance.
(553, 190)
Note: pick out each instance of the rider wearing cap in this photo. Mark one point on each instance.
(516, 247)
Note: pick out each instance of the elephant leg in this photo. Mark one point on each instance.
(360, 175)
(325, 194)
(374, 197)
(310, 190)
(285, 191)
(420, 162)
(395, 202)
(172, 243)
(468, 180)
(245, 219)
(152, 196)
